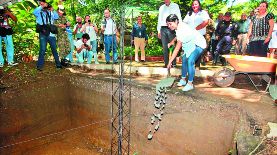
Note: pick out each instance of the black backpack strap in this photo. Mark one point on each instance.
(42, 18)
(49, 17)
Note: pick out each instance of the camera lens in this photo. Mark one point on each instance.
(89, 21)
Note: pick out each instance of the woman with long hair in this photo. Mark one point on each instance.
(192, 42)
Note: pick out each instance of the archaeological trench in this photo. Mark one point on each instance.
(71, 115)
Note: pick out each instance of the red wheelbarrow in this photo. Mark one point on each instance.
(246, 65)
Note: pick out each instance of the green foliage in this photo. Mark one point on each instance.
(26, 39)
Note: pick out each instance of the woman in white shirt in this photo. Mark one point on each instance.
(273, 42)
(192, 42)
(197, 19)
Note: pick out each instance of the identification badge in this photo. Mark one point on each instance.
(5, 22)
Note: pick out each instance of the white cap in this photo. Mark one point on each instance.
(61, 7)
(10, 3)
(19, 0)
(1, 7)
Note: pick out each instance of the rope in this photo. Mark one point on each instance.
(52, 134)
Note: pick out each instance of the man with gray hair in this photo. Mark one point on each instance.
(241, 43)
(109, 30)
(164, 33)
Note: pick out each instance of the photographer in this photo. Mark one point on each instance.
(83, 48)
(45, 16)
(91, 29)
(6, 34)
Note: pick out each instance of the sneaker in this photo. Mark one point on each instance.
(188, 87)
(12, 64)
(1, 65)
(181, 83)
(96, 62)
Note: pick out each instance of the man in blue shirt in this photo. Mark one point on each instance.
(45, 16)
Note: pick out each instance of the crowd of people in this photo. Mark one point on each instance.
(197, 34)
(85, 41)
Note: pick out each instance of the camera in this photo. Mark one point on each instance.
(89, 21)
(2, 12)
(48, 7)
(86, 45)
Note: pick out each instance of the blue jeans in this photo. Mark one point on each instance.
(70, 55)
(188, 63)
(83, 55)
(110, 42)
(94, 51)
(223, 47)
(9, 49)
(43, 40)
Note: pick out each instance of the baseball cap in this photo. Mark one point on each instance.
(227, 14)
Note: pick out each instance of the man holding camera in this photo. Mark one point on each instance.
(6, 34)
(83, 46)
(45, 16)
(91, 29)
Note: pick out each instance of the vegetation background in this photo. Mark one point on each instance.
(26, 39)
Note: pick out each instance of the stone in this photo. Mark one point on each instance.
(246, 143)
(273, 131)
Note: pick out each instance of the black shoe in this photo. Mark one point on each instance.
(65, 62)
(39, 69)
(107, 62)
(142, 60)
(115, 62)
(59, 67)
(173, 66)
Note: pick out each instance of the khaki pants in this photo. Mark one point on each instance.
(240, 47)
(139, 44)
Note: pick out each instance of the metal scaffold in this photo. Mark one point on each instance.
(121, 99)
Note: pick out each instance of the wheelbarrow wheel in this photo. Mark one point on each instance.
(224, 77)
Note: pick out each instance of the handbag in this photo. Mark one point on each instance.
(46, 29)
(43, 29)
(53, 29)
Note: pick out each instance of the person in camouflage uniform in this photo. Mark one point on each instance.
(62, 38)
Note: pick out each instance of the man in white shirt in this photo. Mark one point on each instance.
(109, 30)
(83, 48)
(164, 33)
